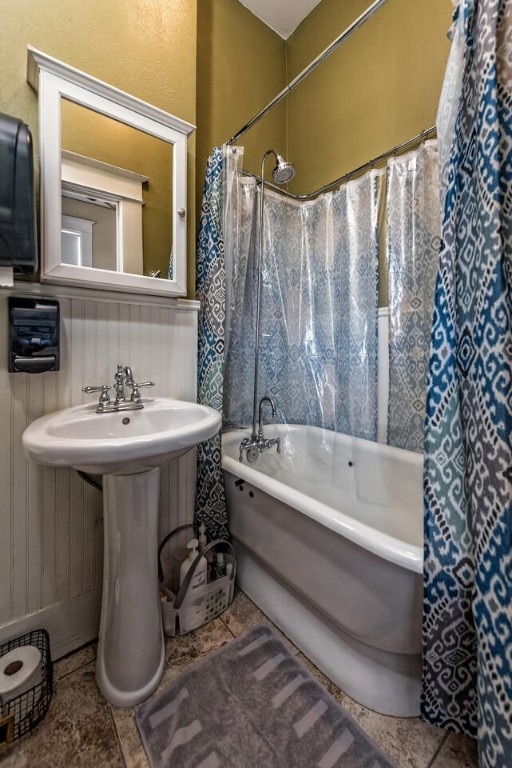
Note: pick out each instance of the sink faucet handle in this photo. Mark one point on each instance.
(136, 398)
(104, 389)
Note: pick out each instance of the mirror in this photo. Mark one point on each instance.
(121, 179)
(113, 184)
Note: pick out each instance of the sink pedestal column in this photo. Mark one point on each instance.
(131, 651)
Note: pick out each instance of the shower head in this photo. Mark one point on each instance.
(283, 171)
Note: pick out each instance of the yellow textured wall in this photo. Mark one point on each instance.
(378, 89)
(144, 47)
(241, 66)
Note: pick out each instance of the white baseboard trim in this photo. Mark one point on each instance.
(70, 624)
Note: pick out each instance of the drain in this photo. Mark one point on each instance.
(126, 420)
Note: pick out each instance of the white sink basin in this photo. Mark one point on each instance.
(122, 442)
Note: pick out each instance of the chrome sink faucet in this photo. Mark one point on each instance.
(257, 443)
(122, 378)
(119, 378)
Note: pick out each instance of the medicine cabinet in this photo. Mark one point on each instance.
(113, 184)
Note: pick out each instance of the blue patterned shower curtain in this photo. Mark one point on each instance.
(318, 350)
(210, 290)
(467, 627)
(413, 242)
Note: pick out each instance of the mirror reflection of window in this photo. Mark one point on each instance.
(113, 197)
(77, 241)
(102, 238)
(113, 144)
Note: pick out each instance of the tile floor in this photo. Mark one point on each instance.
(81, 730)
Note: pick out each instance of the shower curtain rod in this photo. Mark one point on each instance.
(313, 65)
(347, 176)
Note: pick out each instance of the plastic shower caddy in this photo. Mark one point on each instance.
(21, 714)
(190, 611)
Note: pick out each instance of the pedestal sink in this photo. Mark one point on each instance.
(127, 448)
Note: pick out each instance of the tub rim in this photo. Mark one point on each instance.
(380, 544)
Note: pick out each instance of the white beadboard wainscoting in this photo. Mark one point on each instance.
(51, 542)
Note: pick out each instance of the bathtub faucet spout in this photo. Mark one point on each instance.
(260, 408)
(257, 443)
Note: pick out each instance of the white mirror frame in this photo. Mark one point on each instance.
(53, 80)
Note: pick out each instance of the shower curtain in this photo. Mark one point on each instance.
(318, 332)
(210, 504)
(413, 242)
(467, 627)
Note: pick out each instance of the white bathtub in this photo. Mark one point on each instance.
(328, 536)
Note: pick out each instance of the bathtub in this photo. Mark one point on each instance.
(328, 537)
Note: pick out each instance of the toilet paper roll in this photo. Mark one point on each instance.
(6, 277)
(20, 670)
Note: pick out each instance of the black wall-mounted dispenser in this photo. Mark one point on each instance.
(18, 230)
(33, 335)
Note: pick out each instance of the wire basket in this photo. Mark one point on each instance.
(192, 609)
(21, 714)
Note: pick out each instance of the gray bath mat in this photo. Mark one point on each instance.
(251, 704)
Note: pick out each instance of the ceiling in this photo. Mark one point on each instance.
(283, 16)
